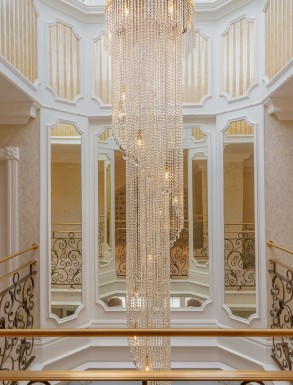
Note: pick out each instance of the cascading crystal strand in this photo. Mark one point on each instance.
(145, 39)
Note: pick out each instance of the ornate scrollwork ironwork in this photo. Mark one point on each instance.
(179, 257)
(282, 315)
(200, 241)
(66, 259)
(16, 309)
(240, 260)
(101, 238)
(179, 262)
(120, 251)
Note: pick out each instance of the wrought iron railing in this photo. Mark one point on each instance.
(120, 249)
(16, 312)
(179, 262)
(239, 256)
(200, 240)
(66, 256)
(66, 253)
(281, 312)
(179, 256)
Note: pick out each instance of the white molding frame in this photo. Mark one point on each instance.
(102, 131)
(10, 155)
(95, 97)
(255, 315)
(82, 304)
(209, 95)
(110, 154)
(194, 148)
(79, 96)
(254, 84)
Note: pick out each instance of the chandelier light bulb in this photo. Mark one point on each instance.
(139, 138)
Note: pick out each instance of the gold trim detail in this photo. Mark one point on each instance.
(275, 262)
(196, 332)
(272, 244)
(34, 246)
(29, 263)
(138, 375)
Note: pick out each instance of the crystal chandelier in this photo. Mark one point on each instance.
(146, 39)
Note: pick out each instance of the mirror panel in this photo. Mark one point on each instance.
(104, 210)
(239, 219)
(112, 232)
(189, 272)
(66, 219)
(200, 208)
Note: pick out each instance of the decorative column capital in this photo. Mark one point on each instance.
(11, 153)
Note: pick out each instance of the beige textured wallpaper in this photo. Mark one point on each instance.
(279, 186)
(27, 138)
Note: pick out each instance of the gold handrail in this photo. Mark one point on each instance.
(272, 244)
(137, 375)
(239, 232)
(66, 231)
(238, 224)
(273, 260)
(34, 246)
(31, 262)
(209, 332)
(67, 223)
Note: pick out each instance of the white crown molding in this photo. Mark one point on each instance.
(281, 107)
(207, 9)
(17, 112)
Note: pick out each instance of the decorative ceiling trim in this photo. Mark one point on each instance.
(17, 112)
(281, 107)
(91, 12)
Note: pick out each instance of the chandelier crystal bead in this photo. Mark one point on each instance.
(147, 40)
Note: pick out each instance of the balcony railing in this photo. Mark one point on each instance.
(179, 255)
(16, 312)
(240, 256)
(281, 311)
(66, 255)
(243, 376)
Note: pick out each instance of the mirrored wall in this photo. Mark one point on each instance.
(66, 219)
(239, 219)
(189, 267)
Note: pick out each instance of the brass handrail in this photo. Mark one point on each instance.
(209, 332)
(34, 246)
(239, 232)
(238, 224)
(67, 223)
(66, 231)
(272, 244)
(273, 260)
(31, 262)
(137, 375)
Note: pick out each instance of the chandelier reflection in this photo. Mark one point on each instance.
(147, 40)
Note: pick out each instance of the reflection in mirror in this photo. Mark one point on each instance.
(200, 208)
(189, 280)
(104, 210)
(66, 216)
(112, 252)
(239, 208)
